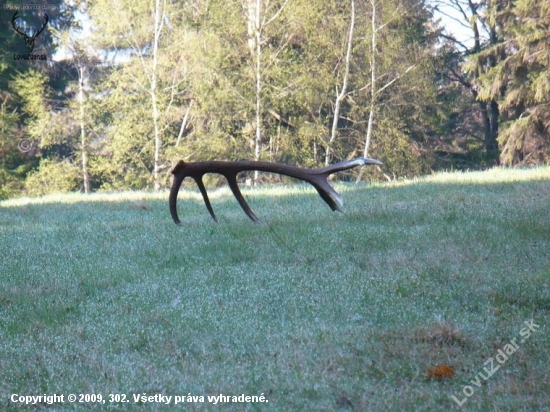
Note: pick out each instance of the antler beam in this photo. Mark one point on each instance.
(316, 177)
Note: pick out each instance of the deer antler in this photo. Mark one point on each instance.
(230, 170)
(29, 40)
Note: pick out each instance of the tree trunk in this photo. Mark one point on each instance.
(154, 103)
(372, 80)
(258, 38)
(492, 144)
(489, 109)
(340, 96)
(253, 15)
(256, 26)
(83, 140)
(372, 87)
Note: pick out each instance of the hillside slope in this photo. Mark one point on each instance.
(314, 310)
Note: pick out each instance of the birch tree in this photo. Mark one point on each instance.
(259, 15)
(376, 87)
(82, 80)
(153, 74)
(340, 95)
(149, 70)
(387, 29)
(83, 62)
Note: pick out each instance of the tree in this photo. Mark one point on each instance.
(83, 79)
(328, 56)
(304, 82)
(25, 118)
(9, 155)
(83, 63)
(149, 73)
(244, 80)
(258, 19)
(477, 57)
(398, 43)
(520, 81)
(341, 94)
(33, 90)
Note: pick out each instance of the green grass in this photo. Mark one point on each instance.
(318, 311)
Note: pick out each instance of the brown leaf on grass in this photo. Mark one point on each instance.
(440, 372)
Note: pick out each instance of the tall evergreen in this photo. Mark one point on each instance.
(521, 81)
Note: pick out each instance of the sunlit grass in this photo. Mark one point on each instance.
(316, 310)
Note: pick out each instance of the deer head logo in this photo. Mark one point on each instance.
(29, 40)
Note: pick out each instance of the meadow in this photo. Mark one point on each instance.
(396, 304)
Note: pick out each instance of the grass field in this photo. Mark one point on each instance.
(314, 310)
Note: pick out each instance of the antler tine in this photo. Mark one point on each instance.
(318, 178)
(15, 25)
(46, 19)
(172, 200)
(200, 184)
(232, 180)
(325, 190)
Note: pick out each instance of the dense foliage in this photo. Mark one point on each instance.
(131, 87)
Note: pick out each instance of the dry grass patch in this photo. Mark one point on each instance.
(441, 333)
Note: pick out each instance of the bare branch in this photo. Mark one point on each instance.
(388, 84)
(267, 23)
(184, 123)
(455, 41)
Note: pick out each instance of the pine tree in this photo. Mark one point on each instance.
(521, 82)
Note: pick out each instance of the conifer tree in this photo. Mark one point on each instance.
(521, 81)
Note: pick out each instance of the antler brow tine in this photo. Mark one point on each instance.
(316, 177)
